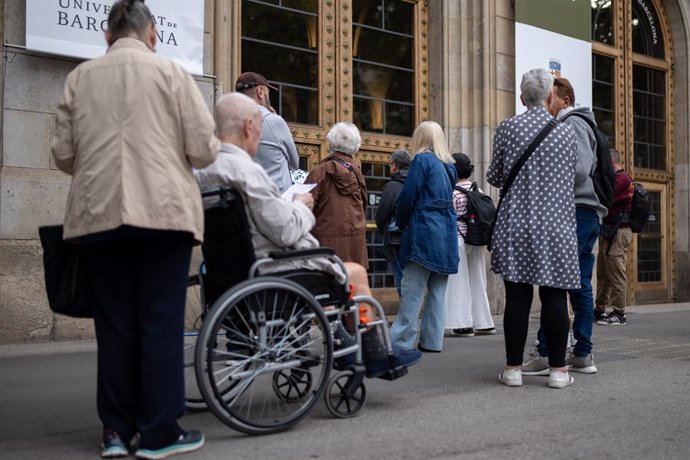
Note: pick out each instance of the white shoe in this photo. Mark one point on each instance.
(511, 377)
(558, 379)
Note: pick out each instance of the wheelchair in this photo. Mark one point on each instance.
(267, 347)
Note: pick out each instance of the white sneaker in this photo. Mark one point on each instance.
(511, 377)
(558, 379)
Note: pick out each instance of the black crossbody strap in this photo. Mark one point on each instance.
(525, 156)
(523, 159)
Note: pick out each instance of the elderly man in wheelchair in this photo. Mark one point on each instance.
(285, 312)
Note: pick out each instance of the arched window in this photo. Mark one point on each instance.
(631, 101)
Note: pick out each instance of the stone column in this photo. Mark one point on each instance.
(678, 13)
(472, 83)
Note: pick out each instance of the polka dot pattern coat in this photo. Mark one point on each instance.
(535, 239)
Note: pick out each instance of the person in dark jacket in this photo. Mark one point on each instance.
(429, 248)
(385, 215)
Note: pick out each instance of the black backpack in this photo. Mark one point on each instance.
(641, 207)
(603, 176)
(479, 216)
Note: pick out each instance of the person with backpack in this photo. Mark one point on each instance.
(588, 214)
(467, 305)
(614, 244)
(385, 214)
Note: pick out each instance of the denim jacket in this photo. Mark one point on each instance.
(426, 214)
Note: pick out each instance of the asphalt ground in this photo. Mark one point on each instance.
(449, 406)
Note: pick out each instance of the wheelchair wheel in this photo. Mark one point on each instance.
(258, 335)
(292, 384)
(194, 306)
(336, 396)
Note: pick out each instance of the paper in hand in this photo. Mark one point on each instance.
(297, 189)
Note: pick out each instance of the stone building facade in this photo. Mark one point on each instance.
(462, 71)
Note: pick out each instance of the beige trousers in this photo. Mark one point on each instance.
(611, 272)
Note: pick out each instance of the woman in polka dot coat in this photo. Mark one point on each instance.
(535, 240)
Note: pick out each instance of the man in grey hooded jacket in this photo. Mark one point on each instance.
(589, 214)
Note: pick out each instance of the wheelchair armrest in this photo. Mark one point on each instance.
(302, 253)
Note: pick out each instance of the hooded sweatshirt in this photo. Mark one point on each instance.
(585, 196)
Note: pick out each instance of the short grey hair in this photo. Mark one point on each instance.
(232, 110)
(536, 86)
(344, 137)
(401, 158)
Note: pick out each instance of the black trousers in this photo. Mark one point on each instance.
(554, 321)
(140, 282)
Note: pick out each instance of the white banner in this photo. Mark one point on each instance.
(564, 56)
(75, 28)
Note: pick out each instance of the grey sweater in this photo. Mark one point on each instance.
(585, 196)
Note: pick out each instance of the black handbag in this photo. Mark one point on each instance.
(516, 169)
(68, 288)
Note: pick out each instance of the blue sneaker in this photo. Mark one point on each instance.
(187, 442)
(401, 358)
(113, 445)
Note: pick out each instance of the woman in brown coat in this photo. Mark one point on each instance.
(340, 197)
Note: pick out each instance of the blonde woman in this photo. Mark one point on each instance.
(429, 249)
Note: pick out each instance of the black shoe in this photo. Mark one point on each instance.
(187, 442)
(613, 319)
(114, 446)
(427, 350)
(463, 332)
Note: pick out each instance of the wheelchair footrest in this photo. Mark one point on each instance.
(394, 373)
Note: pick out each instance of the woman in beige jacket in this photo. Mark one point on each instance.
(131, 126)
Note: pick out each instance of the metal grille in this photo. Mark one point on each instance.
(376, 175)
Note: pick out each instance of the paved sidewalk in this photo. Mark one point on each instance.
(450, 406)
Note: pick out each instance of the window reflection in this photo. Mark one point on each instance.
(646, 30)
(649, 117)
(602, 21)
(382, 48)
(286, 55)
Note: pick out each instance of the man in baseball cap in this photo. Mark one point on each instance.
(277, 153)
(251, 80)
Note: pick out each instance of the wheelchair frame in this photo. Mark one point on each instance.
(253, 363)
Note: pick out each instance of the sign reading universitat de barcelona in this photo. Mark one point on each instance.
(75, 28)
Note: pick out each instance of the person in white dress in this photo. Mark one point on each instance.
(467, 305)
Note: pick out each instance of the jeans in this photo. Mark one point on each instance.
(582, 300)
(415, 280)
